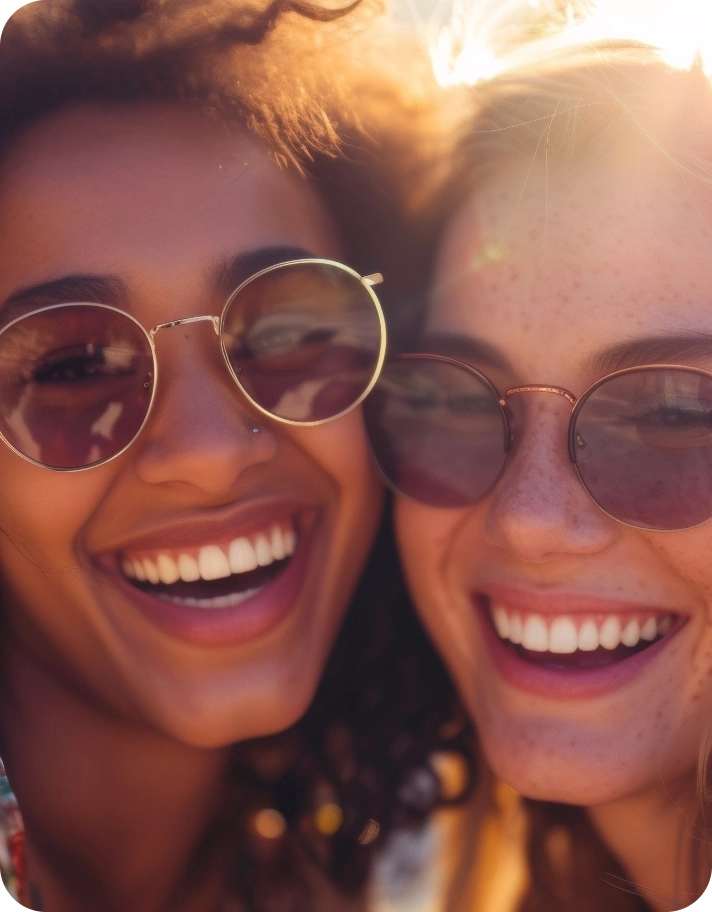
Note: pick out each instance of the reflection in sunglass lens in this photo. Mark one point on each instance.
(304, 340)
(642, 444)
(76, 383)
(437, 431)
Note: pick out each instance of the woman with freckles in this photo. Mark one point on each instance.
(188, 326)
(550, 445)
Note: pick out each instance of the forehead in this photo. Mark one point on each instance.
(144, 190)
(550, 269)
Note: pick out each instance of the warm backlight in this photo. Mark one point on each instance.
(475, 40)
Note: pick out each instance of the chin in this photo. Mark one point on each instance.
(216, 717)
(566, 772)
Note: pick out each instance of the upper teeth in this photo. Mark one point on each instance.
(562, 634)
(213, 561)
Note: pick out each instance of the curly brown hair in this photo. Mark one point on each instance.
(303, 78)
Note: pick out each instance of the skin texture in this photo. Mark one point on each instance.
(158, 197)
(578, 265)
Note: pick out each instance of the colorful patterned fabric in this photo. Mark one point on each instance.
(12, 843)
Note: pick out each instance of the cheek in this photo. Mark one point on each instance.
(688, 555)
(340, 450)
(426, 541)
(422, 534)
(43, 513)
(44, 571)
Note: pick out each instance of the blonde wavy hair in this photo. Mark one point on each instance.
(603, 103)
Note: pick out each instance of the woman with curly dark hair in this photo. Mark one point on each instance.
(179, 551)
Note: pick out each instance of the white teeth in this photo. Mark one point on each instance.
(664, 625)
(516, 630)
(188, 568)
(610, 634)
(290, 541)
(263, 551)
(220, 601)
(151, 571)
(588, 637)
(631, 634)
(535, 636)
(212, 563)
(501, 622)
(242, 556)
(167, 569)
(277, 544)
(562, 636)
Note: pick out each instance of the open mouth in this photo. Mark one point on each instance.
(569, 642)
(214, 576)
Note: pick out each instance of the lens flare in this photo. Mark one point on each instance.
(475, 40)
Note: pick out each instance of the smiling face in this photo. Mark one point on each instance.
(196, 582)
(611, 688)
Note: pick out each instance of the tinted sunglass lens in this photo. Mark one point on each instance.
(76, 383)
(642, 443)
(436, 430)
(304, 340)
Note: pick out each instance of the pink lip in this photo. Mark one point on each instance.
(253, 618)
(567, 683)
(208, 527)
(542, 601)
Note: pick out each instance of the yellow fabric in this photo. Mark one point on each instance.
(468, 859)
(500, 872)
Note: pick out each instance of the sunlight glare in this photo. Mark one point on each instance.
(474, 40)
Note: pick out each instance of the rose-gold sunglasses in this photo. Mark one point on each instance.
(640, 439)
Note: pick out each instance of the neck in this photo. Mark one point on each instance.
(653, 834)
(116, 815)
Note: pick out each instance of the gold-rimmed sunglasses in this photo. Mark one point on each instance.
(304, 341)
(640, 439)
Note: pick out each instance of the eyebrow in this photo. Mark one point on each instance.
(685, 347)
(464, 348)
(96, 289)
(691, 347)
(113, 290)
(231, 273)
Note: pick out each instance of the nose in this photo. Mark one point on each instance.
(539, 509)
(202, 432)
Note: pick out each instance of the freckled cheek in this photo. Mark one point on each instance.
(687, 556)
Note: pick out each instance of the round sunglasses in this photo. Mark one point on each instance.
(303, 340)
(640, 439)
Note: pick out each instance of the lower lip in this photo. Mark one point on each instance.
(255, 617)
(568, 683)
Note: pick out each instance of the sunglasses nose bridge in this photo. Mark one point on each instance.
(557, 390)
(536, 388)
(184, 322)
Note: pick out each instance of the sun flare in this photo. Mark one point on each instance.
(475, 40)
